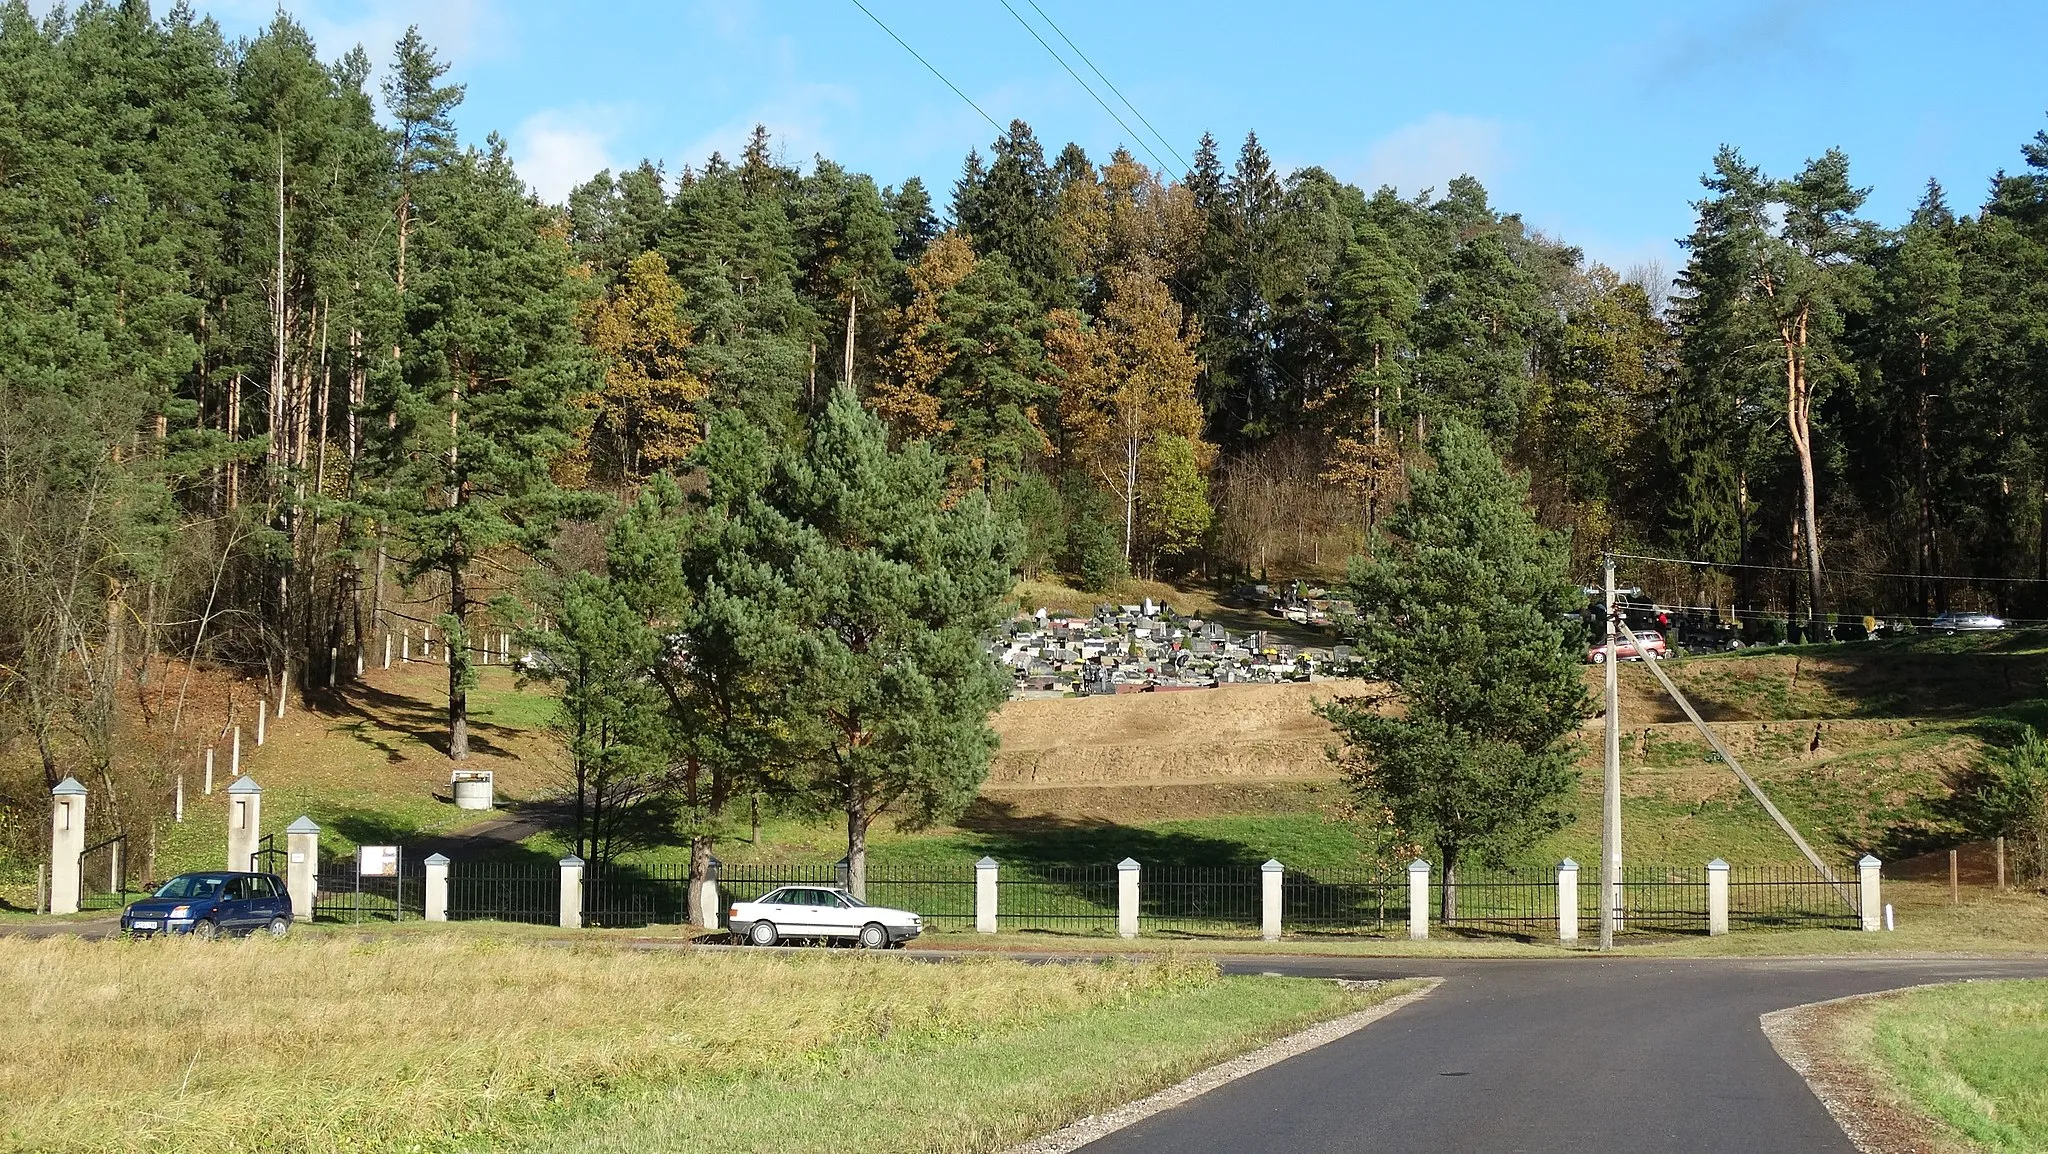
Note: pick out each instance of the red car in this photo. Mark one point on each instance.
(1652, 642)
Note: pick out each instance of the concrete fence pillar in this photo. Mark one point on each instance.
(1717, 897)
(1270, 876)
(209, 771)
(1127, 898)
(67, 842)
(436, 906)
(245, 822)
(572, 892)
(985, 896)
(1567, 901)
(302, 866)
(1418, 900)
(1870, 902)
(707, 898)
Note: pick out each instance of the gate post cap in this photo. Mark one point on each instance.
(1718, 866)
(986, 863)
(1869, 862)
(1568, 864)
(1127, 864)
(69, 787)
(1272, 866)
(302, 824)
(437, 859)
(1418, 866)
(571, 860)
(245, 784)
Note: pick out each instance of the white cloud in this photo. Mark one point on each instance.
(557, 149)
(1429, 152)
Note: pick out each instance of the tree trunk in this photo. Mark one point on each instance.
(1130, 494)
(857, 818)
(1448, 884)
(1798, 422)
(458, 656)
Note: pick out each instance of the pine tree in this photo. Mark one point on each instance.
(1467, 747)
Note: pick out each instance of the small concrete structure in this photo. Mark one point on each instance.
(436, 905)
(473, 788)
(1870, 902)
(302, 866)
(1418, 900)
(1127, 898)
(572, 892)
(245, 822)
(1717, 898)
(1270, 876)
(1567, 901)
(67, 843)
(707, 898)
(985, 896)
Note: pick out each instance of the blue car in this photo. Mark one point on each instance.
(207, 905)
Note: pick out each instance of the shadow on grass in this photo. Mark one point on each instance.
(378, 707)
(993, 828)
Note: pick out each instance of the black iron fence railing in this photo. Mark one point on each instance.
(345, 894)
(1074, 899)
(1199, 901)
(504, 892)
(631, 896)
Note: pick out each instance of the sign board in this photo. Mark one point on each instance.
(377, 861)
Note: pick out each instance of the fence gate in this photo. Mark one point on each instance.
(103, 875)
(268, 857)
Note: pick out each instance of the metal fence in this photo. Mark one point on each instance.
(1342, 901)
(344, 894)
(497, 891)
(1074, 899)
(103, 876)
(1199, 901)
(1777, 897)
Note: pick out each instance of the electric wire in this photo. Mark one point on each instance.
(1828, 572)
(928, 64)
(1134, 134)
(1160, 136)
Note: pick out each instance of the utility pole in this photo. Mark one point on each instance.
(1610, 820)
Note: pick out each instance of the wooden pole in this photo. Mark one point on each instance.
(1998, 852)
(1955, 894)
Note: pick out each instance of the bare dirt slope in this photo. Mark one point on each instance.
(1232, 733)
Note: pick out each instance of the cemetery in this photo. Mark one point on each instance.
(1148, 647)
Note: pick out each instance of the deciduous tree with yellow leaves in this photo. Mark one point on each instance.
(646, 413)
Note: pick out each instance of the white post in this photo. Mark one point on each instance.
(707, 899)
(1717, 898)
(262, 712)
(1127, 898)
(359, 663)
(284, 688)
(333, 663)
(1418, 900)
(302, 866)
(1871, 904)
(208, 785)
(1567, 901)
(407, 653)
(235, 756)
(67, 842)
(1269, 899)
(437, 888)
(245, 821)
(572, 892)
(985, 896)
(504, 649)
(387, 649)
(178, 801)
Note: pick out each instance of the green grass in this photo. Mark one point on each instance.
(1972, 1056)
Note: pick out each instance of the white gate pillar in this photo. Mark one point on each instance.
(1871, 902)
(302, 866)
(245, 822)
(1418, 900)
(707, 898)
(1567, 901)
(1717, 898)
(572, 892)
(985, 896)
(1127, 898)
(436, 905)
(1270, 875)
(67, 842)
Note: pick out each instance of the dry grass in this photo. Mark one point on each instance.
(434, 1043)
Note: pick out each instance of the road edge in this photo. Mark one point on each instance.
(1873, 1117)
(1075, 1135)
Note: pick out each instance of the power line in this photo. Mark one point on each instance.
(1134, 135)
(1836, 572)
(1185, 166)
(928, 65)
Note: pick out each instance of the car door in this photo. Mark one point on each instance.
(836, 917)
(232, 911)
(785, 910)
(264, 903)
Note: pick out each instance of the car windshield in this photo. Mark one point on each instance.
(849, 899)
(187, 886)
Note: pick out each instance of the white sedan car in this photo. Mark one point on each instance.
(820, 913)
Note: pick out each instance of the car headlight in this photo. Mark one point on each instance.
(181, 912)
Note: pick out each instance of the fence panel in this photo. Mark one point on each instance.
(1522, 902)
(1206, 901)
(1778, 897)
(1659, 899)
(345, 895)
(105, 878)
(637, 895)
(1072, 899)
(1342, 901)
(497, 891)
(943, 898)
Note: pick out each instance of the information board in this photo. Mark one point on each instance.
(377, 861)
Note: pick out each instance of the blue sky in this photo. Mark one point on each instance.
(1593, 120)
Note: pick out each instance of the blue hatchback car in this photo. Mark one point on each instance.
(207, 905)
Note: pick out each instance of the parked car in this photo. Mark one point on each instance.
(819, 913)
(1967, 623)
(1652, 642)
(207, 905)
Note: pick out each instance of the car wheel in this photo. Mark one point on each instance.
(279, 927)
(763, 934)
(206, 930)
(1600, 657)
(874, 937)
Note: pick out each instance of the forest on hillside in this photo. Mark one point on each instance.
(285, 365)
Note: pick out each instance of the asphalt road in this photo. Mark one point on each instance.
(1576, 1056)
